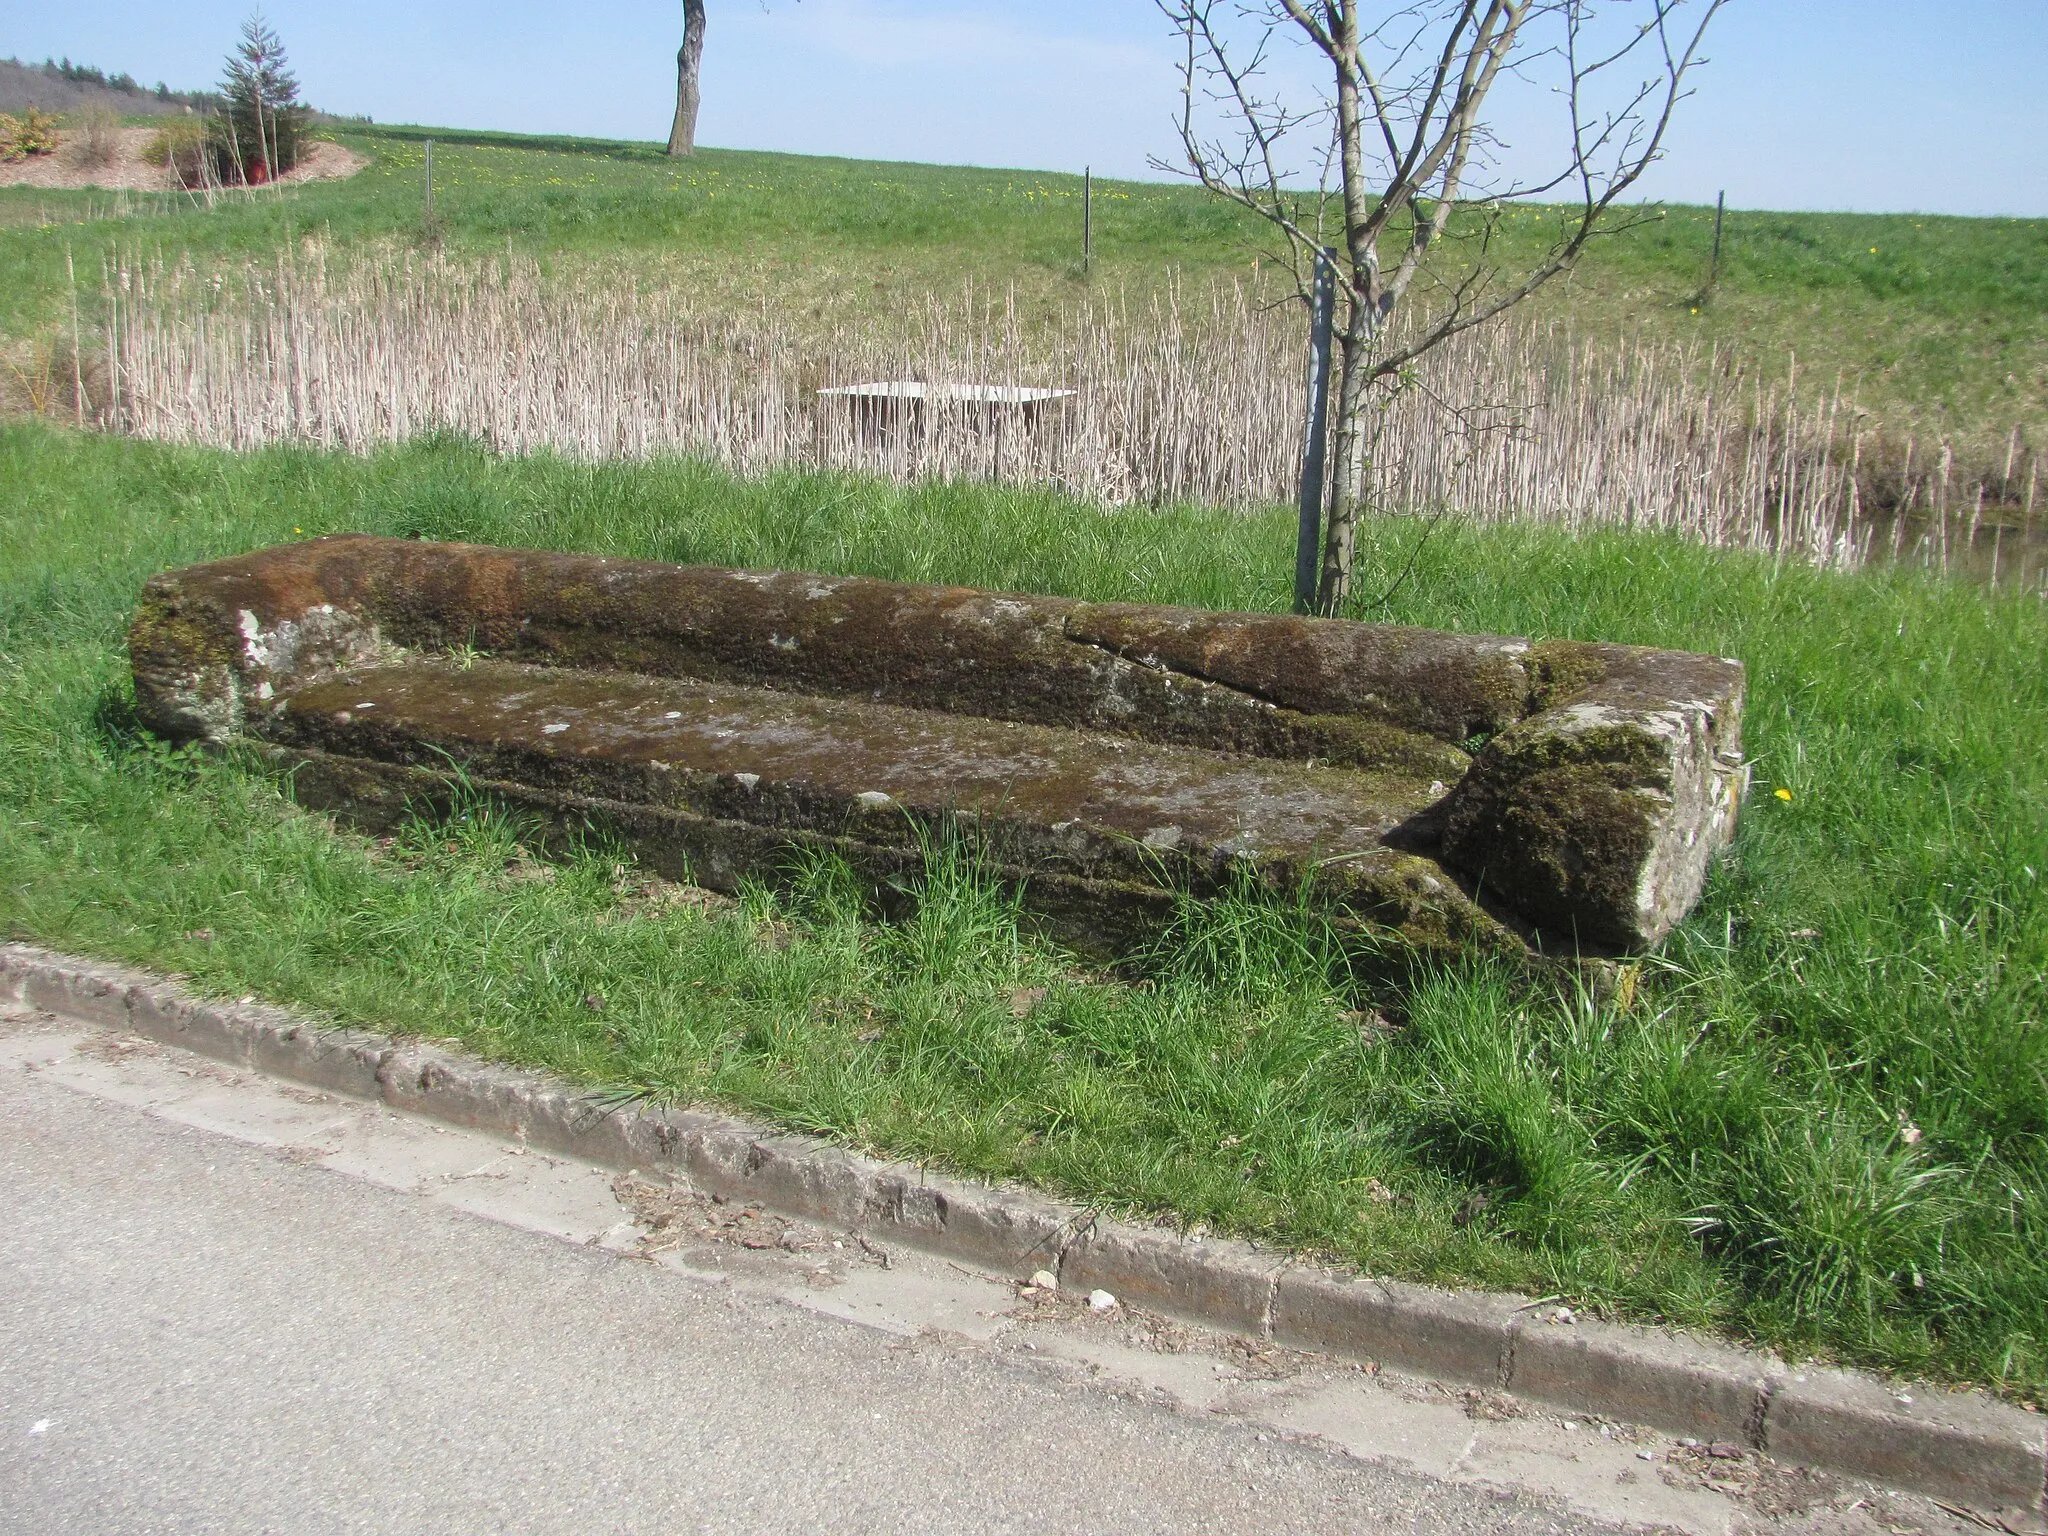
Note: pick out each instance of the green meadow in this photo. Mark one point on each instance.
(1936, 327)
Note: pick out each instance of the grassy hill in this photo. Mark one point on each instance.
(1937, 326)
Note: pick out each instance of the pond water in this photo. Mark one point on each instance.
(1999, 547)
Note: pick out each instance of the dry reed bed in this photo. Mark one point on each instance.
(1178, 397)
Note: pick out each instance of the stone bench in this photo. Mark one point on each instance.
(1465, 791)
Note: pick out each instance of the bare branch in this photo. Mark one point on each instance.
(1407, 141)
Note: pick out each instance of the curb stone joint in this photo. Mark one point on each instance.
(1962, 1446)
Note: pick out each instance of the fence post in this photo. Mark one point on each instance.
(428, 216)
(1308, 545)
(1714, 266)
(1087, 220)
(77, 356)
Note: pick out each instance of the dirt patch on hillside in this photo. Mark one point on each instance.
(126, 170)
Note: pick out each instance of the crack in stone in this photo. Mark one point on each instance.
(1154, 664)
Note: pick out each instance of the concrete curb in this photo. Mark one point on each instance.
(1961, 1446)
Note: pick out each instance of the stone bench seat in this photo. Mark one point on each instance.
(1460, 791)
(698, 772)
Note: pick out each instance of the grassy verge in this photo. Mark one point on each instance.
(1821, 1125)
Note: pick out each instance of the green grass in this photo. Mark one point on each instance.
(1823, 1125)
(1937, 325)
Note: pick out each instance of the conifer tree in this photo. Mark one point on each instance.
(263, 120)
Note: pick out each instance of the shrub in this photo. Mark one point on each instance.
(97, 139)
(181, 146)
(33, 133)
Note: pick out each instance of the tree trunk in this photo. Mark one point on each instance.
(1347, 473)
(682, 138)
(262, 142)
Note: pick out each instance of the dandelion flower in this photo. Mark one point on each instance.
(1783, 793)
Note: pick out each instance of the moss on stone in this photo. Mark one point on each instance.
(1561, 825)
(1349, 742)
(1449, 686)
(185, 667)
(1560, 670)
(1567, 845)
(1629, 754)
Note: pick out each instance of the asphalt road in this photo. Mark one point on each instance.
(199, 1335)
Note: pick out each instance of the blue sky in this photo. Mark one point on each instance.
(1923, 105)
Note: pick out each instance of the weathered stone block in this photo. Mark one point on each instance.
(1606, 810)
(1457, 1335)
(79, 993)
(1642, 1375)
(805, 1177)
(1952, 1444)
(14, 974)
(1006, 1230)
(426, 1080)
(207, 1028)
(1106, 754)
(340, 1061)
(1211, 1281)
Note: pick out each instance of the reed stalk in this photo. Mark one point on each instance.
(1184, 396)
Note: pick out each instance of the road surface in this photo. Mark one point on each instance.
(232, 1305)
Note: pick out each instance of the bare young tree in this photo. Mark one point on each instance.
(682, 137)
(1409, 162)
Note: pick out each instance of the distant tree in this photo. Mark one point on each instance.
(682, 136)
(262, 120)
